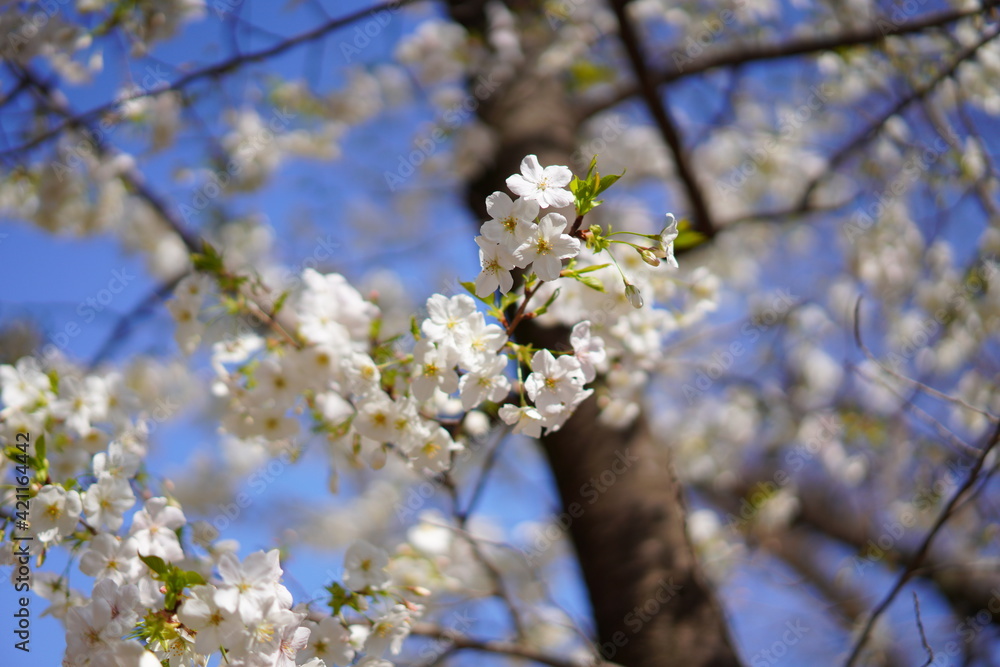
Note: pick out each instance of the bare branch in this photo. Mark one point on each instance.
(925, 545)
(742, 55)
(923, 635)
(209, 72)
(460, 641)
(703, 221)
(916, 383)
(917, 94)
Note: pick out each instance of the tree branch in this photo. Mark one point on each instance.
(211, 71)
(917, 94)
(702, 217)
(796, 47)
(460, 641)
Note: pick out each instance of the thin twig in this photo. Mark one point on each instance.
(519, 315)
(496, 577)
(961, 445)
(702, 217)
(923, 635)
(925, 545)
(134, 180)
(460, 641)
(161, 292)
(917, 94)
(916, 383)
(491, 460)
(211, 71)
(743, 54)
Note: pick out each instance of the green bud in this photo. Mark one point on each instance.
(648, 256)
(633, 295)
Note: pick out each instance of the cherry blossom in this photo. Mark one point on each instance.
(364, 566)
(56, 513)
(496, 261)
(546, 246)
(546, 186)
(510, 221)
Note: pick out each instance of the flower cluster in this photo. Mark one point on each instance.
(512, 238)
(166, 590)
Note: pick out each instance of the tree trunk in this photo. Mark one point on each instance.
(652, 604)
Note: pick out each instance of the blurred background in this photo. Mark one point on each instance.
(820, 153)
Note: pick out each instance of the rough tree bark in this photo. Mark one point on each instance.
(631, 543)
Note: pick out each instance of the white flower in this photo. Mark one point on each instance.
(215, 625)
(665, 245)
(433, 451)
(153, 529)
(108, 557)
(89, 631)
(117, 462)
(332, 312)
(331, 642)
(361, 373)
(554, 381)
(55, 512)
(589, 350)
(293, 639)
(388, 632)
(275, 382)
(376, 417)
(268, 638)
(372, 661)
(24, 385)
(106, 502)
(80, 403)
(511, 219)
(274, 423)
(123, 601)
(189, 327)
(431, 372)
(496, 261)
(486, 383)
(542, 185)
(479, 342)
(365, 566)
(251, 587)
(546, 247)
(447, 319)
(526, 419)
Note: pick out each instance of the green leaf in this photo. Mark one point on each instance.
(155, 563)
(596, 267)
(470, 287)
(688, 239)
(590, 281)
(208, 260)
(545, 307)
(585, 74)
(41, 462)
(414, 327)
(280, 302)
(192, 578)
(607, 182)
(339, 597)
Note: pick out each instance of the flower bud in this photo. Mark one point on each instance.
(648, 256)
(633, 295)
